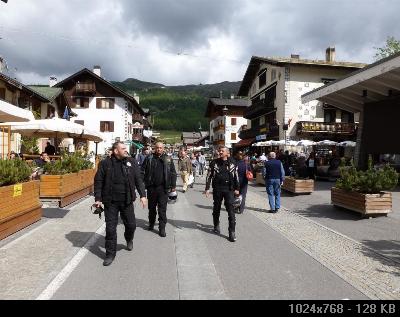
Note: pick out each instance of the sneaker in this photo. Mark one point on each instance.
(162, 233)
(108, 260)
(232, 237)
(129, 245)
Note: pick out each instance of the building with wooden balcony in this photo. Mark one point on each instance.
(103, 107)
(226, 119)
(275, 86)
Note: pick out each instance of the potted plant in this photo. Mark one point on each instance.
(365, 191)
(68, 179)
(19, 197)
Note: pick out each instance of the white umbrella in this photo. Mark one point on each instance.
(305, 143)
(348, 144)
(327, 142)
(54, 128)
(11, 113)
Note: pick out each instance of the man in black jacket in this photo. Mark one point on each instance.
(160, 176)
(224, 177)
(114, 186)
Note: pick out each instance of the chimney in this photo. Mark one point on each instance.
(97, 70)
(53, 81)
(330, 54)
(295, 56)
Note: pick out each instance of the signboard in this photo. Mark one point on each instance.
(261, 138)
(18, 190)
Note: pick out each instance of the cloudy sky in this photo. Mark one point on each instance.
(184, 41)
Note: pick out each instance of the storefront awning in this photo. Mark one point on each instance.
(138, 145)
(245, 143)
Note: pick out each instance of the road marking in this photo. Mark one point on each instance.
(59, 280)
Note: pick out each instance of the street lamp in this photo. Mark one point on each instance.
(225, 113)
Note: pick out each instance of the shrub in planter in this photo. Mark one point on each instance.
(371, 181)
(14, 172)
(68, 164)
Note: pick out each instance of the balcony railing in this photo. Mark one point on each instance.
(259, 108)
(247, 134)
(220, 142)
(219, 128)
(334, 128)
(85, 87)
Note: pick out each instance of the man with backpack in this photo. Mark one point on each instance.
(223, 176)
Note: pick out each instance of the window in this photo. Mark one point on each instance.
(273, 74)
(82, 103)
(105, 103)
(51, 112)
(347, 117)
(81, 122)
(329, 116)
(2, 93)
(233, 121)
(262, 78)
(233, 136)
(253, 89)
(106, 126)
(262, 121)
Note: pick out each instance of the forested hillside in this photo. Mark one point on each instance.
(180, 108)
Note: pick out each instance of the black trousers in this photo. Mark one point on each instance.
(228, 198)
(128, 217)
(243, 192)
(158, 201)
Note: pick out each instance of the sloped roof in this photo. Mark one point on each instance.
(50, 93)
(115, 88)
(256, 61)
(231, 102)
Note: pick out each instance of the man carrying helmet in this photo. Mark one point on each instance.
(159, 176)
(224, 178)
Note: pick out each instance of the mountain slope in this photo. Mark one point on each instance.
(179, 108)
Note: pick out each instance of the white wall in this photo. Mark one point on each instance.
(119, 115)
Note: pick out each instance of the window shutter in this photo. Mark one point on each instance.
(112, 103)
(111, 126)
(98, 103)
(102, 126)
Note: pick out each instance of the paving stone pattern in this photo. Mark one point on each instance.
(370, 272)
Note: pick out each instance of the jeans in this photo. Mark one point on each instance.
(274, 193)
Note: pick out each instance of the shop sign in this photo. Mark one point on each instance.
(261, 137)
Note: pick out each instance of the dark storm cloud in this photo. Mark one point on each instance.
(148, 39)
(180, 24)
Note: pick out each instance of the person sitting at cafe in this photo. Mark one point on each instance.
(301, 168)
(43, 160)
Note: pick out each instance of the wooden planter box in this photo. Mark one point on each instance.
(19, 209)
(259, 179)
(366, 204)
(67, 188)
(298, 186)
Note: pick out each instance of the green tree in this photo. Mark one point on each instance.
(392, 47)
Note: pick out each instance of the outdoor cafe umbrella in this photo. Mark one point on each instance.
(54, 128)
(305, 143)
(327, 142)
(348, 144)
(12, 113)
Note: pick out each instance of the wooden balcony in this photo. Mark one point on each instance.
(137, 118)
(86, 87)
(247, 134)
(259, 108)
(330, 128)
(220, 127)
(220, 142)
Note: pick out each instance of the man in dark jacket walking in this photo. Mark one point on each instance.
(160, 176)
(224, 178)
(114, 186)
(274, 175)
